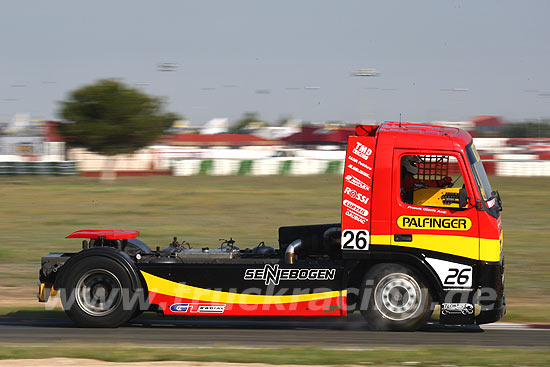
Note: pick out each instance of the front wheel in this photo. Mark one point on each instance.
(398, 298)
(97, 293)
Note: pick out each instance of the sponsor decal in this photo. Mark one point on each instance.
(198, 307)
(437, 223)
(331, 309)
(179, 307)
(210, 308)
(358, 170)
(356, 208)
(272, 274)
(357, 182)
(431, 210)
(355, 160)
(355, 216)
(356, 195)
(457, 309)
(362, 151)
(451, 274)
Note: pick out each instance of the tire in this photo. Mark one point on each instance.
(95, 291)
(398, 298)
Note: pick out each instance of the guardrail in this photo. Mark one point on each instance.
(61, 168)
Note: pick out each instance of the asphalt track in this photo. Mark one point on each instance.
(264, 333)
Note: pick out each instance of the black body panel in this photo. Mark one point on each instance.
(231, 277)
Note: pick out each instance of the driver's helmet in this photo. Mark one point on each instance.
(410, 163)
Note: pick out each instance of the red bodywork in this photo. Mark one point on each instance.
(109, 234)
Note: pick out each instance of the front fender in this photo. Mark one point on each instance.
(122, 258)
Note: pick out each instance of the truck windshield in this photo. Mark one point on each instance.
(480, 176)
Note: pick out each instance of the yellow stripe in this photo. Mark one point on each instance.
(490, 250)
(471, 247)
(169, 288)
(452, 245)
(380, 239)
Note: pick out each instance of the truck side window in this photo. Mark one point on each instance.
(430, 180)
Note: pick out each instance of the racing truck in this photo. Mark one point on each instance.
(420, 231)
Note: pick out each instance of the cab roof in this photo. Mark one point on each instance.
(410, 135)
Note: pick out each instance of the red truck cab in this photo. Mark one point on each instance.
(443, 213)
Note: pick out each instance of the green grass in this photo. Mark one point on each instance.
(37, 213)
(306, 356)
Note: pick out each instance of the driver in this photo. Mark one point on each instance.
(409, 168)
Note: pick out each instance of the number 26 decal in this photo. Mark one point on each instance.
(355, 239)
(458, 276)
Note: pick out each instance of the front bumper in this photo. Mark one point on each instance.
(492, 301)
(45, 291)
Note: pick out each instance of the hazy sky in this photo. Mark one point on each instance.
(229, 50)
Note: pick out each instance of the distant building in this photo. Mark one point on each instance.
(207, 140)
(320, 135)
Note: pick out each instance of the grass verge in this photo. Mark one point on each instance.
(305, 356)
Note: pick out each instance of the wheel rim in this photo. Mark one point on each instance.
(97, 292)
(398, 296)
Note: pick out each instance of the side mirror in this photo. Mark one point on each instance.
(462, 197)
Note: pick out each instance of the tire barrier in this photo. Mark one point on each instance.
(62, 168)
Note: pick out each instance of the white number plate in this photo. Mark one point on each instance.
(452, 275)
(355, 239)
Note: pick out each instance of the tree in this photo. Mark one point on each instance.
(110, 118)
(240, 126)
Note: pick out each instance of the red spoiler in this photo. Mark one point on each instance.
(109, 234)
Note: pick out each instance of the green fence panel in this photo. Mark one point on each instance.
(245, 168)
(334, 167)
(284, 167)
(206, 167)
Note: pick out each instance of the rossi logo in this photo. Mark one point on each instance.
(355, 216)
(355, 195)
(272, 274)
(357, 182)
(356, 208)
(437, 223)
(362, 151)
(198, 307)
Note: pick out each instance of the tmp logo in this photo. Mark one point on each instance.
(362, 151)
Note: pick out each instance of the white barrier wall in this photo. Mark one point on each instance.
(259, 167)
(262, 161)
(523, 168)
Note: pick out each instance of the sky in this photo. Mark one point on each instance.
(438, 60)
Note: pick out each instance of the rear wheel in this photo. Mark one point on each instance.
(398, 298)
(97, 293)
